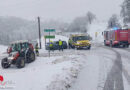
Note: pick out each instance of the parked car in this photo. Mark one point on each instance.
(21, 52)
(56, 45)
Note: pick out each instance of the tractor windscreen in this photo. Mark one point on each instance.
(24, 45)
(16, 47)
(80, 38)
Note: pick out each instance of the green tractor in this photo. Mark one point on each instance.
(20, 52)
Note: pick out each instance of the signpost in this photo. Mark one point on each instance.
(49, 30)
(49, 36)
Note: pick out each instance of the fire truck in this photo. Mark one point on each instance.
(117, 38)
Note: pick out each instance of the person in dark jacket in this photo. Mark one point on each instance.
(69, 43)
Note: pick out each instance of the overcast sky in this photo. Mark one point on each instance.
(64, 10)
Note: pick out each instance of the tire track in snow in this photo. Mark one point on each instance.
(125, 49)
(114, 79)
(125, 72)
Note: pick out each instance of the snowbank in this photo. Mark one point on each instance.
(64, 80)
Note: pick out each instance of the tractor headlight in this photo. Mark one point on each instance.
(10, 58)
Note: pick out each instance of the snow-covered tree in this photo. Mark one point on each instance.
(90, 17)
(13, 29)
(125, 11)
(113, 21)
(80, 24)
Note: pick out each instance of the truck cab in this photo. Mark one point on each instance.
(117, 38)
(80, 41)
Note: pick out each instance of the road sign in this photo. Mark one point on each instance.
(49, 30)
(49, 37)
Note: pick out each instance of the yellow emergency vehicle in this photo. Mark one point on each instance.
(80, 41)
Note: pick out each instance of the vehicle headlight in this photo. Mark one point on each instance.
(89, 43)
(78, 42)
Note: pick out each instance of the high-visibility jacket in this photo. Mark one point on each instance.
(51, 45)
(60, 43)
(69, 41)
(36, 48)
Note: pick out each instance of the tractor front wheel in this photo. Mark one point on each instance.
(4, 63)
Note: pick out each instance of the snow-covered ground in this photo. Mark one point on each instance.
(94, 73)
(105, 68)
(101, 68)
(46, 73)
(2, 49)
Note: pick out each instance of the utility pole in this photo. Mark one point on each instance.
(39, 27)
(49, 44)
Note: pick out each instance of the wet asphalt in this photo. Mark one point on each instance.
(114, 79)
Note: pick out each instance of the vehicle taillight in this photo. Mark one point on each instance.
(16, 56)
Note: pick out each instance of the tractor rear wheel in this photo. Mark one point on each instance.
(32, 56)
(20, 63)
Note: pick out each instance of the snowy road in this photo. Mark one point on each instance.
(114, 78)
(105, 69)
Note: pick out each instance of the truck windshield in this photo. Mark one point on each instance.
(80, 38)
